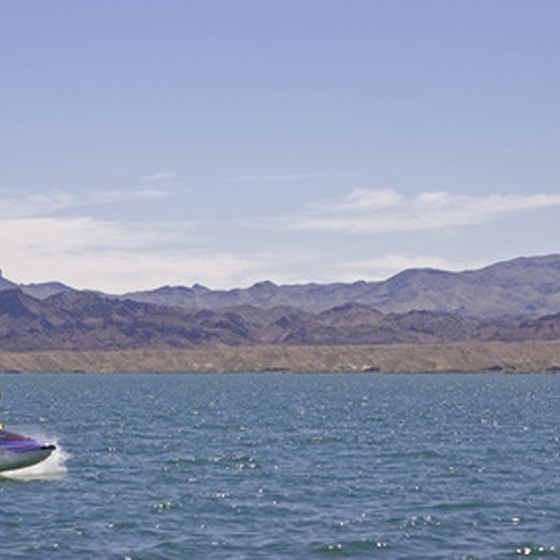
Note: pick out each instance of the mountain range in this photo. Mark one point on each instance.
(85, 321)
(523, 287)
(508, 302)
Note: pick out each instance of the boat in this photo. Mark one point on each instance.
(18, 452)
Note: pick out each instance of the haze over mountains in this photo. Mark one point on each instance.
(513, 301)
(523, 287)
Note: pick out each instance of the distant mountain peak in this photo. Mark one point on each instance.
(6, 284)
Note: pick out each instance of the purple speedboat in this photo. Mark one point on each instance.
(17, 452)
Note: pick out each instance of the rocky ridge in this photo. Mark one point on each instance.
(82, 321)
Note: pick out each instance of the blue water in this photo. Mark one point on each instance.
(285, 466)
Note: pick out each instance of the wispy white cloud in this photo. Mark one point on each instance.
(162, 181)
(385, 211)
(58, 236)
(21, 205)
(366, 199)
(152, 187)
(71, 235)
(15, 204)
(162, 177)
(111, 197)
(87, 253)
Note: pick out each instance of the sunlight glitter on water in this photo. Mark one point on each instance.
(414, 474)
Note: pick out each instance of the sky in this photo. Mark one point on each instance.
(225, 142)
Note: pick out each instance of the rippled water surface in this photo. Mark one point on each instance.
(285, 466)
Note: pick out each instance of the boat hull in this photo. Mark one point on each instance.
(18, 452)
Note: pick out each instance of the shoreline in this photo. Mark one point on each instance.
(471, 357)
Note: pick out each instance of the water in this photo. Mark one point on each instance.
(285, 466)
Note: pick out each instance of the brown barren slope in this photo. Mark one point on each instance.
(534, 356)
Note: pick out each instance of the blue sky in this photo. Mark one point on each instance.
(225, 142)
